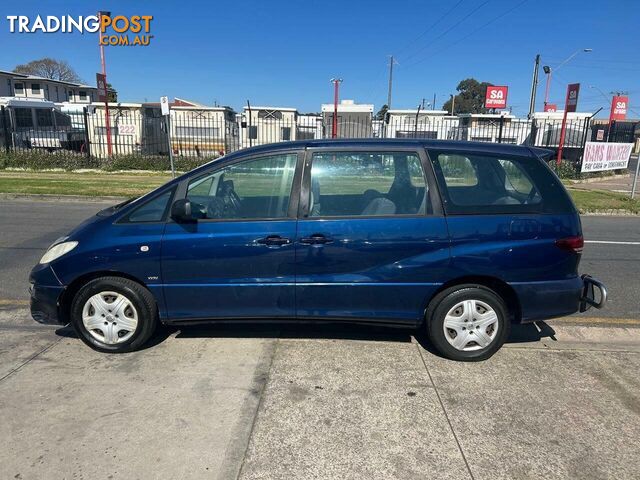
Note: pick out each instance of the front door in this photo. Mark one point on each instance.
(372, 242)
(238, 259)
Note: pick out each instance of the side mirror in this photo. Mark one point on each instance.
(181, 211)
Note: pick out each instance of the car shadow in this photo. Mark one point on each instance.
(531, 332)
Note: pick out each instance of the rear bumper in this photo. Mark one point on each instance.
(550, 299)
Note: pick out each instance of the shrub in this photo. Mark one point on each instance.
(62, 159)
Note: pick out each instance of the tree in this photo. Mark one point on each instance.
(382, 113)
(470, 98)
(112, 94)
(49, 68)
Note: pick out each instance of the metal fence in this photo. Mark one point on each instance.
(207, 133)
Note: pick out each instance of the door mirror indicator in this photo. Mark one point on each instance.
(181, 211)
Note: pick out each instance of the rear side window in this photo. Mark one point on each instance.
(367, 184)
(485, 184)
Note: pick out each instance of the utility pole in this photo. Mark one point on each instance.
(336, 91)
(453, 103)
(433, 105)
(534, 87)
(104, 73)
(391, 62)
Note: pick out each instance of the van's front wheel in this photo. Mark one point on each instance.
(113, 314)
(467, 323)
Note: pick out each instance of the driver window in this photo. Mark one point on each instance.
(256, 188)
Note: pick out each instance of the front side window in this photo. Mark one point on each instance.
(19, 88)
(35, 88)
(367, 184)
(259, 188)
(477, 183)
(154, 210)
(83, 95)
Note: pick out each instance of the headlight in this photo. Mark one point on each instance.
(57, 251)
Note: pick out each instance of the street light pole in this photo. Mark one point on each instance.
(336, 87)
(547, 69)
(453, 103)
(534, 86)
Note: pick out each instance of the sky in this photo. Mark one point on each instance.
(284, 53)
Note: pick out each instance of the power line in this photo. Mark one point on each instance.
(449, 29)
(470, 34)
(442, 17)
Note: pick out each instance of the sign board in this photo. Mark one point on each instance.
(101, 82)
(126, 129)
(551, 107)
(600, 156)
(572, 97)
(600, 135)
(496, 97)
(619, 106)
(164, 105)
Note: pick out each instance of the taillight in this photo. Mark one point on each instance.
(573, 244)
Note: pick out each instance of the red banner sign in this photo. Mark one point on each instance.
(496, 97)
(551, 107)
(101, 82)
(619, 106)
(571, 104)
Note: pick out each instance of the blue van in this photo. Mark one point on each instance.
(459, 240)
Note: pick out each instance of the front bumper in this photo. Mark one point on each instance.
(45, 303)
(589, 296)
(45, 291)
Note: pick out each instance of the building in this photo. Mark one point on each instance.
(414, 123)
(547, 128)
(203, 131)
(491, 127)
(261, 125)
(308, 126)
(14, 84)
(35, 123)
(139, 128)
(354, 120)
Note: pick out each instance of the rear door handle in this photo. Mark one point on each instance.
(274, 240)
(316, 239)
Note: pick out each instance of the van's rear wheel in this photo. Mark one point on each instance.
(467, 323)
(113, 314)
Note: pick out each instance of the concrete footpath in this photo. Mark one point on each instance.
(318, 402)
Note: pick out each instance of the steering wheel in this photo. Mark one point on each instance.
(231, 200)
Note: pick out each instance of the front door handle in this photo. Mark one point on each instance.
(316, 239)
(274, 240)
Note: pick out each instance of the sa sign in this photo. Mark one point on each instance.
(101, 82)
(571, 104)
(496, 97)
(619, 106)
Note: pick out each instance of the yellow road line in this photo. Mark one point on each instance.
(13, 302)
(598, 320)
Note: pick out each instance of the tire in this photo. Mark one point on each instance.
(479, 334)
(123, 312)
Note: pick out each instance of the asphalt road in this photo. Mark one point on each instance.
(27, 227)
(559, 401)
